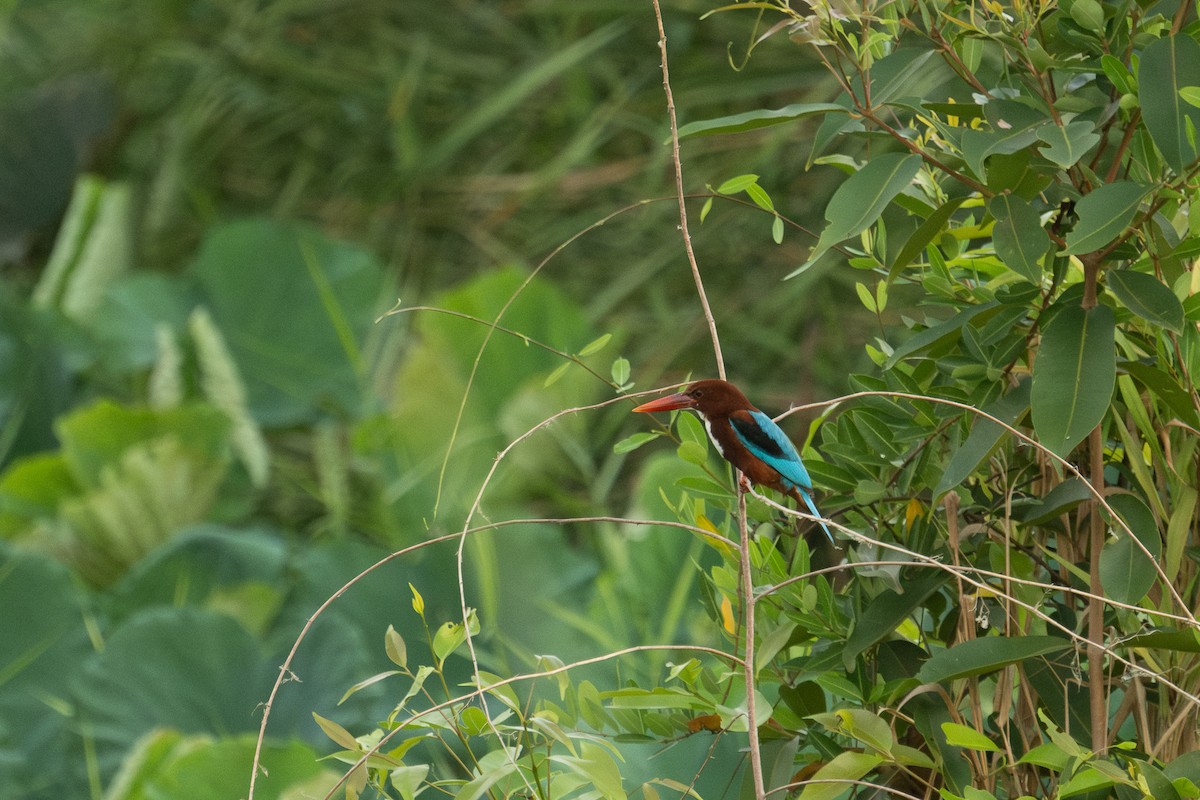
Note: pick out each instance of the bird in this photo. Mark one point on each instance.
(746, 438)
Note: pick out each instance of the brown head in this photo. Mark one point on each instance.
(712, 398)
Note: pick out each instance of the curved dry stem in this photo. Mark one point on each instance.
(701, 294)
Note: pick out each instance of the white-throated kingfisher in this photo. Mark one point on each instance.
(746, 438)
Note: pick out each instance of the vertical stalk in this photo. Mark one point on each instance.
(1097, 695)
(746, 589)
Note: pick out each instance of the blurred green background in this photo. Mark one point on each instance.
(206, 426)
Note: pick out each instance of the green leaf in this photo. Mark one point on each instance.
(1126, 572)
(451, 635)
(751, 120)
(1146, 296)
(596, 345)
(1182, 640)
(760, 197)
(1191, 95)
(984, 437)
(737, 184)
(1167, 66)
(861, 199)
(868, 728)
(1074, 376)
(1020, 240)
(307, 361)
(962, 736)
(1014, 128)
(1103, 215)
(693, 453)
(1166, 388)
(620, 371)
(882, 617)
(979, 656)
(933, 227)
(631, 443)
(1118, 73)
(1058, 501)
(1068, 143)
(408, 779)
(830, 780)
(393, 645)
(866, 297)
(557, 374)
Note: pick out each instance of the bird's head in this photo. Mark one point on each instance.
(713, 399)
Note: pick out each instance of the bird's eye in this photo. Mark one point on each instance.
(696, 392)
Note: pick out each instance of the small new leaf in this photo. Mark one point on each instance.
(393, 645)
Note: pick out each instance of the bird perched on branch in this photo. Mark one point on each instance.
(746, 438)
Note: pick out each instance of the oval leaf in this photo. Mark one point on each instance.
(1126, 572)
(1074, 376)
(1103, 215)
(761, 118)
(1167, 66)
(1019, 237)
(860, 201)
(1148, 297)
(977, 656)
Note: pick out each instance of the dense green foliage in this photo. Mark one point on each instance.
(241, 483)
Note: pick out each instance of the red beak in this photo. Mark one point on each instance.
(668, 403)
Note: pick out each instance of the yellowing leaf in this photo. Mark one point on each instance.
(728, 620)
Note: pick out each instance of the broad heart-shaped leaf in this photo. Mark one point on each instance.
(1103, 215)
(1068, 143)
(1074, 376)
(43, 639)
(197, 769)
(977, 656)
(1126, 572)
(749, 120)
(95, 437)
(1168, 65)
(859, 201)
(1019, 237)
(195, 671)
(295, 308)
(1146, 296)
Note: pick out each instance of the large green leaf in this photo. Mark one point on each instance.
(295, 308)
(1168, 65)
(95, 437)
(1067, 143)
(979, 656)
(1020, 240)
(1103, 215)
(1146, 296)
(42, 642)
(887, 611)
(1126, 572)
(1074, 376)
(861, 199)
(191, 670)
(749, 120)
(933, 227)
(168, 766)
(984, 437)
(1014, 127)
